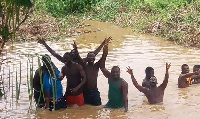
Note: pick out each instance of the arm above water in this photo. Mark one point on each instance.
(135, 83)
(102, 44)
(105, 72)
(80, 60)
(165, 81)
(60, 58)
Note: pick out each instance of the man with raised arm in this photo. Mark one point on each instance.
(154, 94)
(60, 58)
(91, 93)
(185, 79)
(75, 80)
(118, 87)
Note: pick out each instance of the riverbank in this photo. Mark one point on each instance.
(178, 22)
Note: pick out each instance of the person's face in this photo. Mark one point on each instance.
(115, 72)
(73, 55)
(185, 69)
(150, 74)
(67, 59)
(153, 81)
(90, 58)
(195, 69)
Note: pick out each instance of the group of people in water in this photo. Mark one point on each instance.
(82, 73)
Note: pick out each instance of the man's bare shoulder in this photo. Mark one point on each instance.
(124, 83)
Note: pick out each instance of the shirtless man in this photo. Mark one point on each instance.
(149, 71)
(184, 79)
(75, 79)
(196, 78)
(72, 53)
(91, 93)
(154, 94)
(118, 87)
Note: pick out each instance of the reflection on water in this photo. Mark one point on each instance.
(127, 49)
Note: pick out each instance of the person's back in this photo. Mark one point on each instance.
(38, 93)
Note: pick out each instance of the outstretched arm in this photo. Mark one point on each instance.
(106, 73)
(135, 83)
(125, 94)
(105, 49)
(102, 44)
(196, 79)
(80, 60)
(184, 76)
(60, 58)
(165, 81)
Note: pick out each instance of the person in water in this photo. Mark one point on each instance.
(76, 78)
(118, 87)
(91, 93)
(154, 94)
(149, 71)
(37, 81)
(185, 79)
(196, 78)
(52, 86)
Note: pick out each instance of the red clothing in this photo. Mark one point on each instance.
(78, 100)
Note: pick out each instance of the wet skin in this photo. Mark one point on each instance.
(75, 77)
(182, 80)
(154, 94)
(115, 74)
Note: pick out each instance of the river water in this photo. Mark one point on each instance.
(127, 49)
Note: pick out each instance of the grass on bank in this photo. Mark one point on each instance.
(175, 20)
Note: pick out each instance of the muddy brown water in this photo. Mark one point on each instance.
(127, 49)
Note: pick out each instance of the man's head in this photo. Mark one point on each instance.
(67, 58)
(115, 72)
(196, 68)
(153, 81)
(73, 55)
(149, 72)
(185, 68)
(90, 58)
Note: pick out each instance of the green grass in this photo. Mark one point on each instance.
(175, 20)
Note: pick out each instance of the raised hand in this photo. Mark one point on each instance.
(41, 41)
(107, 40)
(74, 44)
(129, 70)
(168, 66)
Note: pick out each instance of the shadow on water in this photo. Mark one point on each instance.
(127, 49)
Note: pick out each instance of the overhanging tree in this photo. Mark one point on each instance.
(12, 14)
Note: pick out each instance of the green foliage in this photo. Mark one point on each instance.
(61, 8)
(12, 13)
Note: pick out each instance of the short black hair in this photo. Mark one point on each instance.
(148, 70)
(197, 66)
(183, 66)
(115, 67)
